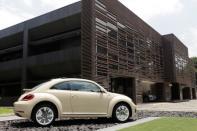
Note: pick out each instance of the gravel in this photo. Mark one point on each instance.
(144, 114)
(66, 125)
(85, 125)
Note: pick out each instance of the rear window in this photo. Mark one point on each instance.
(61, 86)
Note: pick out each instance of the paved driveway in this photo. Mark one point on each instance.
(187, 106)
(10, 118)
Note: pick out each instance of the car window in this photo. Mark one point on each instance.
(62, 86)
(84, 86)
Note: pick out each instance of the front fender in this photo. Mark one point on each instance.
(116, 100)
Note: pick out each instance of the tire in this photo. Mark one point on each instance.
(44, 115)
(121, 112)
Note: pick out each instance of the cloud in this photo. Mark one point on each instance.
(13, 12)
(26, 9)
(57, 3)
(193, 42)
(8, 21)
(189, 37)
(151, 8)
(169, 16)
(17, 11)
(28, 2)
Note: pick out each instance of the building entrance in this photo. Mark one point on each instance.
(175, 92)
(186, 93)
(124, 86)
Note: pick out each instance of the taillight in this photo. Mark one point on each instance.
(28, 97)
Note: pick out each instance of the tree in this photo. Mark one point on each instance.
(194, 60)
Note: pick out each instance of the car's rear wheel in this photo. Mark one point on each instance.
(121, 112)
(44, 115)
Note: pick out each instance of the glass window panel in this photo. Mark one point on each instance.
(112, 34)
(61, 86)
(101, 50)
(84, 86)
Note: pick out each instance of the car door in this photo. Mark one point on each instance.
(87, 99)
(62, 92)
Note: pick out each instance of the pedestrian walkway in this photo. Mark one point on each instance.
(10, 118)
(122, 126)
(185, 106)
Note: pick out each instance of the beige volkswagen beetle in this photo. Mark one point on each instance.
(72, 98)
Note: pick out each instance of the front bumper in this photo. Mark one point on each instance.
(134, 111)
(23, 109)
(134, 114)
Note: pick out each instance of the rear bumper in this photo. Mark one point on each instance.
(23, 109)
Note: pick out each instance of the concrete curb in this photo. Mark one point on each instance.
(5, 115)
(121, 126)
(10, 118)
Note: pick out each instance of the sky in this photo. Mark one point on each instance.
(166, 16)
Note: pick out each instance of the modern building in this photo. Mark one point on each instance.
(101, 40)
(194, 59)
(179, 69)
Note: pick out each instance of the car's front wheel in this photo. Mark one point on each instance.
(44, 115)
(121, 112)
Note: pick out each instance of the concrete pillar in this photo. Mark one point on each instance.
(134, 90)
(194, 93)
(24, 62)
(181, 92)
(138, 91)
(191, 95)
(167, 92)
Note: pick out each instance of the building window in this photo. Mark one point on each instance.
(180, 63)
(113, 66)
(113, 57)
(101, 50)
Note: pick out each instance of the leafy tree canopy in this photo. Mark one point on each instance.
(194, 59)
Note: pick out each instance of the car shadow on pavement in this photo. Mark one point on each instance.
(62, 123)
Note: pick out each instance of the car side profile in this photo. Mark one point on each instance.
(72, 98)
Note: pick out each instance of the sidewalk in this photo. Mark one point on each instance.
(122, 126)
(10, 118)
(184, 106)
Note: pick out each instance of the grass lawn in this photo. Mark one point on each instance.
(166, 124)
(5, 110)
